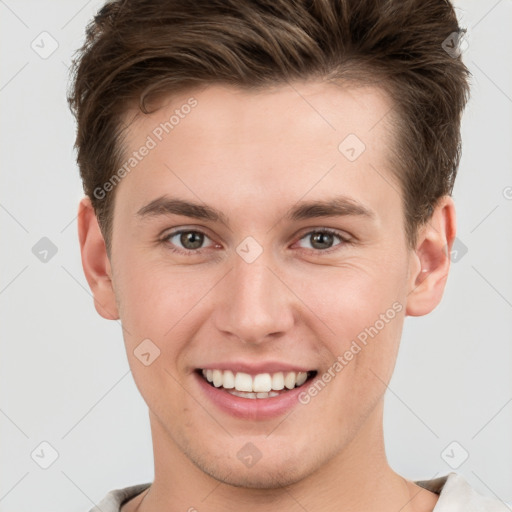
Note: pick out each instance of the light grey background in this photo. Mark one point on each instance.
(64, 374)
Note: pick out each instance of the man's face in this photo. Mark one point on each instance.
(261, 290)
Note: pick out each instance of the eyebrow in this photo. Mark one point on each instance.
(335, 207)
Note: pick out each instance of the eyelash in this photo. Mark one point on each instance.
(194, 252)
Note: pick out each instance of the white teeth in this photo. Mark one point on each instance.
(229, 380)
(217, 378)
(289, 380)
(243, 382)
(270, 394)
(263, 384)
(278, 381)
(301, 378)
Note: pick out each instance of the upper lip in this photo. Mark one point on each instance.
(254, 368)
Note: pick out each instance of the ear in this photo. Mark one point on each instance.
(430, 262)
(95, 261)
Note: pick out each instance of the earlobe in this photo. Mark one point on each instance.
(95, 261)
(430, 263)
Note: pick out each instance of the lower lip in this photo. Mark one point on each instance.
(251, 408)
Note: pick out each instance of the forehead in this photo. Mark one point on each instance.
(274, 144)
(327, 113)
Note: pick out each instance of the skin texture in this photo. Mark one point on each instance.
(254, 156)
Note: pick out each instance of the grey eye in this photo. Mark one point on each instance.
(321, 240)
(190, 240)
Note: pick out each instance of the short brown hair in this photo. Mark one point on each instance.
(137, 49)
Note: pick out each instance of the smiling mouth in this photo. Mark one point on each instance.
(262, 385)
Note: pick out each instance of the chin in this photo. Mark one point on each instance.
(252, 478)
(279, 470)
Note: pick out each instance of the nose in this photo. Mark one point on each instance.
(256, 304)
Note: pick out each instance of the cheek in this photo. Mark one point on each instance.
(154, 295)
(354, 294)
(156, 307)
(362, 308)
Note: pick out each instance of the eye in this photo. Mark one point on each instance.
(190, 240)
(323, 239)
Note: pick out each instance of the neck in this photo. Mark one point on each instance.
(358, 478)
